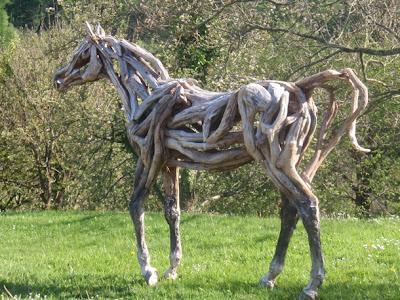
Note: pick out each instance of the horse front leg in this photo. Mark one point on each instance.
(136, 210)
(172, 215)
(289, 218)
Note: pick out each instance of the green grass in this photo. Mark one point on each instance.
(68, 255)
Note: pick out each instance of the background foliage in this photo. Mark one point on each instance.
(70, 150)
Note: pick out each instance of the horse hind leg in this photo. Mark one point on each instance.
(172, 216)
(309, 213)
(306, 203)
(299, 195)
(280, 164)
(136, 210)
(289, 218)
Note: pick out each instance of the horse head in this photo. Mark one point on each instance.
(86, 64)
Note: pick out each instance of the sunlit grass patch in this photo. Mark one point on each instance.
(69, 255)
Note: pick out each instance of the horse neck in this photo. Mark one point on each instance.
(129, 84)
(140, 73)
(137, 79)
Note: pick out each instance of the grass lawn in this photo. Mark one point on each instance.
(69, 255)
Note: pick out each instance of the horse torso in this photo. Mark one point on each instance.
(199, 129)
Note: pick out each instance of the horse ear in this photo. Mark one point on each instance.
(90, 30)
(100, 31)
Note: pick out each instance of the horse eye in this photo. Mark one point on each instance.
(86, 54)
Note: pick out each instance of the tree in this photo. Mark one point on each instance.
(33, 14)
(6, 31)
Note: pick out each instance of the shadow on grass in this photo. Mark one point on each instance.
(78, 287)
(116, 286)
(244, 290)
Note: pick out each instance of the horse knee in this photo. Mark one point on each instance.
(136, 203)
(135, 209)
(171, 210)
(307, 208)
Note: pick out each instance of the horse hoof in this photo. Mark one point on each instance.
(151, 277)
(170, 275)
(269, 284)
(308, 295)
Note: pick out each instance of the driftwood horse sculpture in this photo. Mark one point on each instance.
(173, 123)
